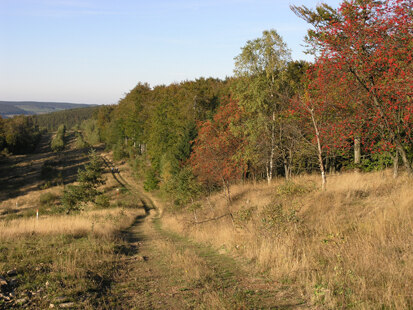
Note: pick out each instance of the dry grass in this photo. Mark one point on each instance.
(101, 223)
(194, 268)
(349, 246)
(28, 200)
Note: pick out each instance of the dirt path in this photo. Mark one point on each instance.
(162, 270)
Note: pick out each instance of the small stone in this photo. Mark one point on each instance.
(51, 306)
(60, 299)
(13, 282)
(3, 281)
(22, 300)
(12, 273)
(143, 258)
(67, 305)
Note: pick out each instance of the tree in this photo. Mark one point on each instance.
(260, 69)
(58, 141)
(89, 179)
(367, 46)
(20, 134)
(214, 158)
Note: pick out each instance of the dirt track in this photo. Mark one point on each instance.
(160, 270)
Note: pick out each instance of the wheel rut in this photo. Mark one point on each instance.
(162, 270)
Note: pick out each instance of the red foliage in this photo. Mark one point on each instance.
(365, 71)
(215, 149)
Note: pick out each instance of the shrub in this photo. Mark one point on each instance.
(291, 188)
(75, 196)
(102, 201)
(58, 142)
(151, 180)
(48, 199)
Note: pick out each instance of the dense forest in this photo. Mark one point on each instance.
(349, 109)
(18, 135)
(69, 118)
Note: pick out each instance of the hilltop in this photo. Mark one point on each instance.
(11, 108)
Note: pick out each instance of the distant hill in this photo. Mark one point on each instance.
(69, 118)
(11, 108)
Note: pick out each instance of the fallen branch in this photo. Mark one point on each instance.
(212, 219)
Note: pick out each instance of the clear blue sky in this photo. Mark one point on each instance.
(95, 51)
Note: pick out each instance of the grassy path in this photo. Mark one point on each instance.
(162, 270)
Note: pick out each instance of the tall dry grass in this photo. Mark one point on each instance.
(348, 246)
(103, 223)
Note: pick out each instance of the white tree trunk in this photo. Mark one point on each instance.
(357, 151)
(319, 149)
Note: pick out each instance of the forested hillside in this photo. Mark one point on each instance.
(69, 118)
(277, 117)
(18, 135)
(245, 193)
(12, 108)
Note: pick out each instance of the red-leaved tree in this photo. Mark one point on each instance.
(215, 153)
(365, 61)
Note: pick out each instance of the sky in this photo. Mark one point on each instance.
(95, 51)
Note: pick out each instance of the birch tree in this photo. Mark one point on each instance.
(260, 68)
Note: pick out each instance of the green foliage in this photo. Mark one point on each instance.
(289, 188)
(102, 201)
(244, 215)
(90, 131)
(76, 196)
(80, 141)
(69, 118)
(376, 162)
(277, 219)
(58, 141)
(119, 152)
(73, 198)
(48, 199)
(183, 186)
(18, 135)
(151, 180)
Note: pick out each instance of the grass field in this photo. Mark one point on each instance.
(59, 259)
(350, 246)
(285, 245)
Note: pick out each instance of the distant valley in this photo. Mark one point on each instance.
(11, 108)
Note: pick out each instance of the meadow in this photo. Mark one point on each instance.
(349, 246)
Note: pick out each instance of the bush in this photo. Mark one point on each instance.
(48, 199)
(58, 142)
(151, 180)
(119, 152)
(102, 201)
(291, 188)
(90, 131)
(75, 196)
(80, 141)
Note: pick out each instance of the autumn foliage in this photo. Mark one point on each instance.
(365, 72)
(214, 158)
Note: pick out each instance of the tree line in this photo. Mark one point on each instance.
(70, 118)
(18, 135)
(351, 108)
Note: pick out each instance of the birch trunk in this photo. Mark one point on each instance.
(357, 151)
(395, 165)
(320, 153)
